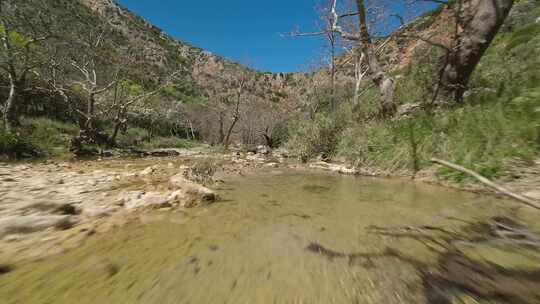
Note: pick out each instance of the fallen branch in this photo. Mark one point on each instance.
(529, 202)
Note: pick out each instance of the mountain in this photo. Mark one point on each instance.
(211, 96)
(200, 94)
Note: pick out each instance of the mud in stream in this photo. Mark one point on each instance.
(275, 237)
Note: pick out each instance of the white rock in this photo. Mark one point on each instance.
(141, 199)
(148, 171)
(96, 212)
(263, 150)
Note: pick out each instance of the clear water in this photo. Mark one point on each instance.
(251, 246)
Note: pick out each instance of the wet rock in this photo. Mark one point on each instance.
(97, 212)
(264, 150)
(33, 223)
(67, 209)
(148, 171)
(165, 152)
(271, 165)
(141, 199)
(189, 194)
(338, 168)
(281, 153)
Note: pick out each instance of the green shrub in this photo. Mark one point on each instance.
(51, 137)
(309, 138)
(481, 137)
(168, 142)
(132, 137)
(13, 145)
(202, 171)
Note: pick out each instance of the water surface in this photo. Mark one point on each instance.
(253, 246)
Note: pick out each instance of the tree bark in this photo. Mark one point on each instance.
(478, 21)
(385, 83)
(221, 132)
(118, 122)
(236, 116)
(9, 106)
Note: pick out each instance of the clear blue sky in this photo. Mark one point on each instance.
(246, 31)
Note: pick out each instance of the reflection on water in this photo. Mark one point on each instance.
(258, 246)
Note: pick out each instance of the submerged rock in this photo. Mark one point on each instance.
(34, 223)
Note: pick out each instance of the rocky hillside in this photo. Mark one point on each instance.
(200, 97)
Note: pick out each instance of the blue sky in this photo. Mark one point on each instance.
(245, 31)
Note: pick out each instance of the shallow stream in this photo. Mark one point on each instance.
(260, 244)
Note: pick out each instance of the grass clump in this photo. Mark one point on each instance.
(317, 136)
(49, 136)
(202, 171)
(481, 137)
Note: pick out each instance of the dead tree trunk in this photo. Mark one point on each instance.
(221, 132)
(7, 111)
(478, 21)
(382, 80)
(385, 83)
(236, 117)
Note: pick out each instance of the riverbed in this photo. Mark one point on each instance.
(276, 235)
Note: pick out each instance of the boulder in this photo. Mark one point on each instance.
(408, 108)
(189, 194)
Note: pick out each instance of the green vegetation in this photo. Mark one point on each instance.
(16, 146)
(168, 142)
(43, 137)
(51, 137)
(498, 125)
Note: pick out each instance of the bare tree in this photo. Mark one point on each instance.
(20, 54)
(475, 24)
(126, 96)
(363, 41)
